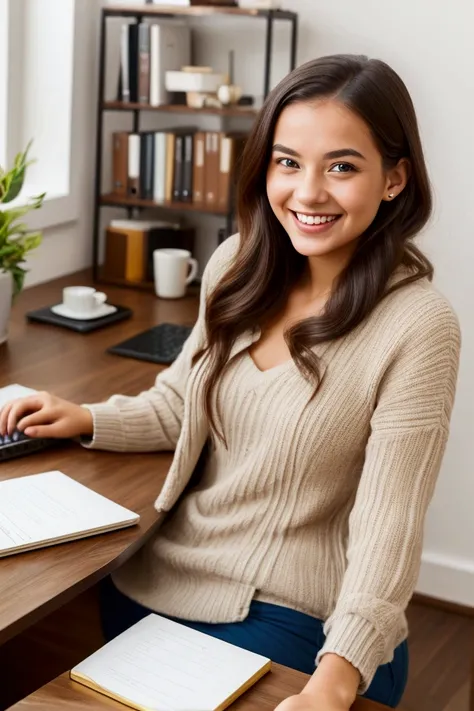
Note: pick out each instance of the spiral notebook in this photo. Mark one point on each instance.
(162, 665)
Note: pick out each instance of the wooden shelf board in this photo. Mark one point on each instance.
(112, 199)
(196, 11)
(179, 109)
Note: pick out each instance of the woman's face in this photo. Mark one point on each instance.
(326, 180)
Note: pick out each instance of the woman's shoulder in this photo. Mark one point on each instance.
(420, 308)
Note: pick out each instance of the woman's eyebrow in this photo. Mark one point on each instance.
(278, 148)
(340, 153)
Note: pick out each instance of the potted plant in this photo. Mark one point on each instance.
(16, 240)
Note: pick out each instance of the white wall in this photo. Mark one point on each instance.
(431, 47)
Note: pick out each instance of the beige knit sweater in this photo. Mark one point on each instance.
(315, 504)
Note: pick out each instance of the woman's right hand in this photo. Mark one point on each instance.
(45, 415)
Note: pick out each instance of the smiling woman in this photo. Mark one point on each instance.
(310, 406)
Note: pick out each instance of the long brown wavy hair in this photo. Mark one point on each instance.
(266, 268)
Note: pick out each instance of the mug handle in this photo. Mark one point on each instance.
(100, 298)
(194, 270)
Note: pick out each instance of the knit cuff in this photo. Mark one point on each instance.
(355, 639)
(107, 432)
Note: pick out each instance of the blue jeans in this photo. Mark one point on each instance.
(286, 636)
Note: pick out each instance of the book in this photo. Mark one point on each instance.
(45, 509)
(162, 664)
(170, 48)
(124, 81)
(133, 67)
(187, 184)
(159, 177)
(212, 162)
(198, 167)
(147, 165)
(225, 167)
(124, 250)
(143, 63)
(133, 164)
(178, 168)
(120, 162)
(169, 168)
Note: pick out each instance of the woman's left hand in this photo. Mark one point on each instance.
(312, 702)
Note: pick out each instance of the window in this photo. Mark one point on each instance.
(36, 99)
(3, 78)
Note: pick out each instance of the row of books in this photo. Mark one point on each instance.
(147, 52)
(177, 165)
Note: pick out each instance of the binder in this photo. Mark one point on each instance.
(143, 63)
(187, 185)
(147, 169)
(120, 163)
(198, 167)
(134, 165)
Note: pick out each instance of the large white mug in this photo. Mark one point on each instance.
(172, 272)
(83, 299)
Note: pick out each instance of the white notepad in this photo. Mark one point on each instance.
(12, 392)
(160, 665)
(44, 509)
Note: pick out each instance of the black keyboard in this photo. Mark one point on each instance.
(161, 344)
(19, 444)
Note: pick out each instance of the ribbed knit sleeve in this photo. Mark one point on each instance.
(409, 430)
(151, 421)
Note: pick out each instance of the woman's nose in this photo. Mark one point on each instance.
(311, 189)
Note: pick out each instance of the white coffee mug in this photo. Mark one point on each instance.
(83, 299)
(172, 274)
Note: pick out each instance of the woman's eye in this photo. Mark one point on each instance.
(342, 168)
(287, 163)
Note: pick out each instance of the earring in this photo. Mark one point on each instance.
(391, 196)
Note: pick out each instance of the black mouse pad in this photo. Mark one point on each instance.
(161, 344)
(45, 315)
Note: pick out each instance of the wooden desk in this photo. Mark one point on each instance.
(66, 695)
(76, 367)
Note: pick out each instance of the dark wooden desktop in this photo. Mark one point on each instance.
(39, 584)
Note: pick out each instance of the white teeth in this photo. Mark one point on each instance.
(315, 219)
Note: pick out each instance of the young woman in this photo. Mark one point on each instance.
(315, 392)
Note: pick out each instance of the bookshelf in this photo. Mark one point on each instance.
(133, 204)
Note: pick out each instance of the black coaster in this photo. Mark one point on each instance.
(161, 344)
(45, 315)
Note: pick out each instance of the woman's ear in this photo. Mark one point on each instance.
(397, 178)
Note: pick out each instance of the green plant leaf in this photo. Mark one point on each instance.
(18, 274)
(12, 181)
(16, 241)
